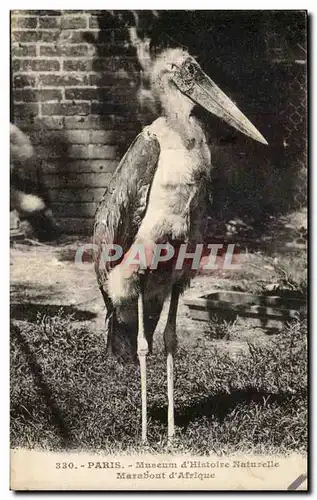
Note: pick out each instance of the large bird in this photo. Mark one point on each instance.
(158, 195)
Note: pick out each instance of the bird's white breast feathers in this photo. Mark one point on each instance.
(173, 186)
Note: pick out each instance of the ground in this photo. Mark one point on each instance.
(237, 388)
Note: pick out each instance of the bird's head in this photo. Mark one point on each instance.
(175, 69)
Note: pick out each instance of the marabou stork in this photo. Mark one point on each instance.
(158, 194)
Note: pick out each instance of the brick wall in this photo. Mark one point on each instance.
(77, 102)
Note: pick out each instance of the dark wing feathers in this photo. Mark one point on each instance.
(124, 203)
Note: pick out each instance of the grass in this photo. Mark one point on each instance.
(67, 394)
(220, 328)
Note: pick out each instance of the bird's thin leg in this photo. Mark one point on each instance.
(142, 352)
(170, 341)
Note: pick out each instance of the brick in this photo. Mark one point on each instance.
(23, 50)
(128, 64)
(77, 151)
(49, 95)
(114, 93)
(53, 80)
(20, 12)
(108, 108)
(112, 48)
(93, 22)
(49, 22)
(78, 136)
(113, 64)
(104, 64)
(17, 95)
(78, 65)
(125, 124)
(74, 11)
(39, 123)
(69, 22)
(77, 195)
(50, 143)
(96, 122)
(64, 50)
(50, 50)
(107, 40)
(21, 81)
(87, 94)
(83, 122)
(94, 152)
(47, 137)
(24, 36)
(74, 180)
(49, 36)
(103, 136)
(113, 36)
(83, 166)
(109, 95)
(72, 36)
(92, 136)
(94, 12)
(35, 95)
(86, 210)
(35, 65)
(15, 65)
(51, 12)
(52, 122)
(21, 22)
(121, 36)
(76, 226)
(49, 122)
(123, 79)
(49, 150)
(66, 108)
(108, 51)
(26, 110)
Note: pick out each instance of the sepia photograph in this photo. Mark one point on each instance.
(158, 250)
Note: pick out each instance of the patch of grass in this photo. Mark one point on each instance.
(66, 393)
(220, 328)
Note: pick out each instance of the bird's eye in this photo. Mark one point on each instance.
(191, 68)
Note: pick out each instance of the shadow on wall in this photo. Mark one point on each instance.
(258, 59)
(53, 152)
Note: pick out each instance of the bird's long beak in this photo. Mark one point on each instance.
(194, 83)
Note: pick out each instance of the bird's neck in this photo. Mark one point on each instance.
(178, 111)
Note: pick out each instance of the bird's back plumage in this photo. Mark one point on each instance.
(124, 203)
(117, 221)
